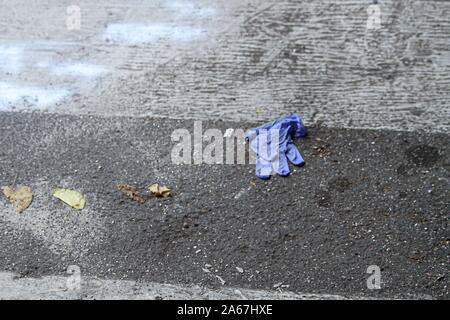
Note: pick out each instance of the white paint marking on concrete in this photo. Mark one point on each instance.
(58, 287)
(134, 33)
(15, 95)
(79, 69)
(42, 64)
(10, 59)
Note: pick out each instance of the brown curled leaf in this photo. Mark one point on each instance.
(131, 191)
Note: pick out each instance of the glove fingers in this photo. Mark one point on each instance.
(281, 165)
(263, 168)
(294, 155)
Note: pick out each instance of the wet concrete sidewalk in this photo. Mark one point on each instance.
(233, 60)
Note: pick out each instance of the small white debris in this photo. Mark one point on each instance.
(277, 285)
(220, 279)
(240, 193)
(240, 270)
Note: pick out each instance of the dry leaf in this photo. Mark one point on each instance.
(131, 191)
(71, 197)
(159, 191)
(321, 151)
(20, 197)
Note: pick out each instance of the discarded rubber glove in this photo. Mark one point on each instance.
(273, 144)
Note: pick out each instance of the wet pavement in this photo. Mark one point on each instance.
(363, 198)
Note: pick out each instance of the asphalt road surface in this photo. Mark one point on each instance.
(91, 94)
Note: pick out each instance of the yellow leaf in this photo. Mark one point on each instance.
(159, 191)
(20, 197)
(71, 197)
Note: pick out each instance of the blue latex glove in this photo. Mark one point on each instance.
(273, 144)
